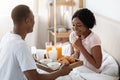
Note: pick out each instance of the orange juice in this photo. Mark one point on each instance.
(48, 48)
(59, 51)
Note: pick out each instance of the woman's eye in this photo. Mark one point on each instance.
(78, 25)
(73, 25)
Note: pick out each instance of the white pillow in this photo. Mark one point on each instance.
(109, 65)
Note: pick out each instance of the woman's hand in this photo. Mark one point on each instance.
(77, 44)
(76, 47)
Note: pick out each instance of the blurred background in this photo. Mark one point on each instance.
(44, 16)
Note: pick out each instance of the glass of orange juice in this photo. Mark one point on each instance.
(59, 51)
(48, 48)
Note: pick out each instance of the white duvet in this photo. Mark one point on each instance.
(83, 73)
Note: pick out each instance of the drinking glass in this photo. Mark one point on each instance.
(48, 48)
(59, 51)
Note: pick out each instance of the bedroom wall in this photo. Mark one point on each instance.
(108, 8)
(6, 21)
(108, 24)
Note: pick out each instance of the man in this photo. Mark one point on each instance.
(16, 61)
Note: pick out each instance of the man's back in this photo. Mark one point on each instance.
(11, 57)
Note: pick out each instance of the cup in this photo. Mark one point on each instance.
(48, 48)
(53, 54)
(40, 54)
(59, 51)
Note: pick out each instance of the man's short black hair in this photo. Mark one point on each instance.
(86, 16)
(19, 13)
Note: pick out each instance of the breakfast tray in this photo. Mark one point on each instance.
(46, 68)
(42, 66)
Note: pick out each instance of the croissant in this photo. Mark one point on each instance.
(71, 59)
(67, 60)
(64, 61)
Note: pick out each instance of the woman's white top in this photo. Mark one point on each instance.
(89, 42)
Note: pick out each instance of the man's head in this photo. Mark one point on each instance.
(23, 18)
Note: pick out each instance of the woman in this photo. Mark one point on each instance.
(85, 44)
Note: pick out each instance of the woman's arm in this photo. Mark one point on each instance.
(71, 49)
(96, 58)
(74, 51)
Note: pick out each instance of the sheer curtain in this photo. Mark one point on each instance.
(42, 34)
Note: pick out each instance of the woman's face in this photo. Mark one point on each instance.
(78, 26)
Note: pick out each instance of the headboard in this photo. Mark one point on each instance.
(109, 32)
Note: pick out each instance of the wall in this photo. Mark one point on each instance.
(109, 31)
(108, 8)
(6, 21)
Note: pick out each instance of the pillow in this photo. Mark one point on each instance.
(109, 65)
(66, 49)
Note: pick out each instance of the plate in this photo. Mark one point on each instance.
(54, 65)
(45, 61)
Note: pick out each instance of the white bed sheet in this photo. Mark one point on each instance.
(83, 73)
(109, 65)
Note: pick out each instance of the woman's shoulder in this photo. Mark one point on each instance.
(95, 36)
(94, 39)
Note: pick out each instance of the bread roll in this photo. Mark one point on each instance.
(67, 60)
